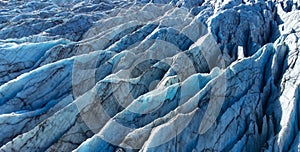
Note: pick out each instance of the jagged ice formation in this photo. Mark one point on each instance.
(149, 75)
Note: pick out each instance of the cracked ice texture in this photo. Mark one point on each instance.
(149, 75)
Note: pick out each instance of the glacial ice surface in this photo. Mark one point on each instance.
(149, 75)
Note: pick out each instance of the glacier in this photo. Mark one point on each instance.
(149, 75)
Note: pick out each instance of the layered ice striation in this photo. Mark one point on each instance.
(149, 75)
